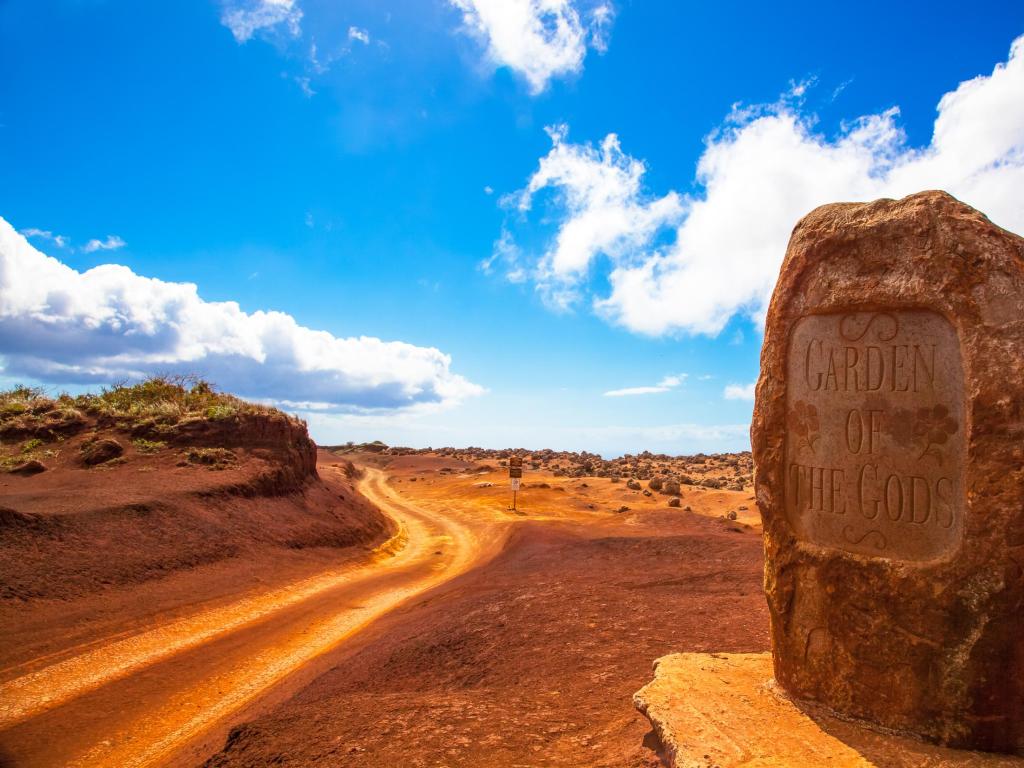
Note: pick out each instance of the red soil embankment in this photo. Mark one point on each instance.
(201, 512)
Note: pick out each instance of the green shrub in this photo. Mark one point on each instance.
(148, 446)
(31, 445)
(219, 412)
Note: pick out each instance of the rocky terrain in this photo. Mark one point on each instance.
(732, 471)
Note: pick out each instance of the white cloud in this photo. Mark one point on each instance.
(739, 391)
(537, 39)
(355, 33)
(304, 85)
(245, 18)
(601, 18)
(112, 243)
(599, 190)
(766, 167)
(666, 384)
(59, 240)
(64, 326)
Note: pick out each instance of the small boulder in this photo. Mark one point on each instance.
(670, 488)
(656, 483)
(633, 485)
(622, 509)
(732, 514)
(101, 451)
(29, 468)
(674, 502)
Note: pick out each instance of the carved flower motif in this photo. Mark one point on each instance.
(803, 420)
(932, 428)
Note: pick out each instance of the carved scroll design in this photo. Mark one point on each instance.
(886, 327)
(873, 537)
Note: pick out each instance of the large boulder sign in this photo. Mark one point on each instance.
(888, 440)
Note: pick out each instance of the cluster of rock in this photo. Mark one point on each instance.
(731, 471)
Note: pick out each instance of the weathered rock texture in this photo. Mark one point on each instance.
(720, 710)
(888, 440)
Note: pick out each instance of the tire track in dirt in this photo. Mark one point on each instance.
(428, 549)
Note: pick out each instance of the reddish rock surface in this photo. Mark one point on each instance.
(887, 439)
(723, 710)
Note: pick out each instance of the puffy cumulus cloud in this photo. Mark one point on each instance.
(245, 18)
(739, 391)
(667, 384)
(537, 39)
(690, 263)
(599, 189)
(64, 326)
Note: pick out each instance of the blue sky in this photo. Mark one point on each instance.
(543, 201)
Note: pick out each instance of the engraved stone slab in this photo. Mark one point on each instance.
(874, 439)
(888, 442)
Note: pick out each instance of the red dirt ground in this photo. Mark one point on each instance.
(531, 660)
(85, 552)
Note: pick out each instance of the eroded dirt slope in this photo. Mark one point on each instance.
(198, 511)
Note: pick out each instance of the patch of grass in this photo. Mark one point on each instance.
(159, 403)
(20, 400)
(219, 412)
(214, 458)
(167, 400)
(155, 413)
(148, 446)
(163, 399)
(107, 465)
(7, 463)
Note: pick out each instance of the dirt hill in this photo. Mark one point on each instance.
(116, 502)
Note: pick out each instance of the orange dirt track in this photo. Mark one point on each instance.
(168, 693)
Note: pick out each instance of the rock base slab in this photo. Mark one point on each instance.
(725, 711)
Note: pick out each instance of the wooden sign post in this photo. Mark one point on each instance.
(515, 474)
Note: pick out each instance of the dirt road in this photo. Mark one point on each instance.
(154, 696)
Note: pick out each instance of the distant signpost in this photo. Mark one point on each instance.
(515, 473)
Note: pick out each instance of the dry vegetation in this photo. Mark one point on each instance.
(165, 400)
(153, 412)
